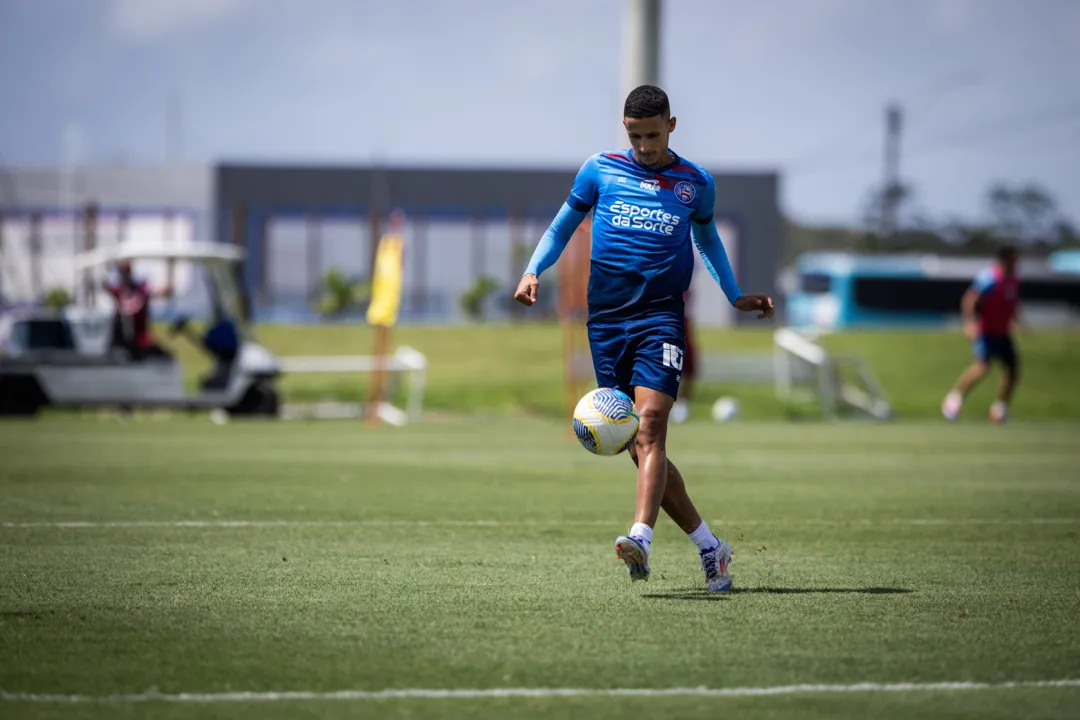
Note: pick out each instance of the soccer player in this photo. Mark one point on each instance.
(648, 204)
(131, 321)
(995, 293)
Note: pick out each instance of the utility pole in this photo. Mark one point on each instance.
(641, 50)
(892, 190)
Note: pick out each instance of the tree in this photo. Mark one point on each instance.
(1066, 234)
(1025, 214)
(338, 293)
(472, 300)
(894, 222)
(882, 213)
(57, 298)
(891, 221)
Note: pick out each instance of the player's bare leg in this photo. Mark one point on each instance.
(1000, 409)
(967, 381)
(1008, 384)
(650, 451)
(715, 553)
(971, 377)
(676, 501)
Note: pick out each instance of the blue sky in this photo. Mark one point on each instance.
(988, 87)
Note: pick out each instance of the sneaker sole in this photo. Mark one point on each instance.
(635, 560)
(724, 586)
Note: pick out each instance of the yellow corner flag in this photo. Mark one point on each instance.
(386, 283)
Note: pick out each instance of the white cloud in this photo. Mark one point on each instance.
(150, 20)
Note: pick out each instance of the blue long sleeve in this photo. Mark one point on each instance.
(708, 243)
(555, 239)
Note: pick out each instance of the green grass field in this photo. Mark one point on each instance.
(174, 556)
(517, 370)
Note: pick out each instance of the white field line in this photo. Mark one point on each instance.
(90, 524)
(493, 693)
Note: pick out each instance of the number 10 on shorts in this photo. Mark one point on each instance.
(673, 356)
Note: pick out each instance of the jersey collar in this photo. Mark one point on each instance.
(675, 160)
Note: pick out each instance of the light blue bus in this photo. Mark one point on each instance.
(1065, 261)
(844, 290)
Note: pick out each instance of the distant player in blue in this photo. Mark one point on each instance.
(650, 208)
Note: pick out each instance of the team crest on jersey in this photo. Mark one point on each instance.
(685, 191)
(652, 186)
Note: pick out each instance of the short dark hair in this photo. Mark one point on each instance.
(1008, 252)
(646, 101)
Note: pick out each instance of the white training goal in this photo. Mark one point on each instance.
(840, 384)
(405, 364)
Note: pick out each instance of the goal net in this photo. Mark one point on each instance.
(842, 385)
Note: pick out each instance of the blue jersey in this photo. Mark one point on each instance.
(642, 254)
(645, 224)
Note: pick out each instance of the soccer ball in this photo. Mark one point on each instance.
(605, 421)
(725, 409)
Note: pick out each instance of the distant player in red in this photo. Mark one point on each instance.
(995, 296)
(680, 412)
(132, 319)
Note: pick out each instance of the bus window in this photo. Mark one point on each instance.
(815, 283)
(943, 295)
(1061, 291)
(909, 294)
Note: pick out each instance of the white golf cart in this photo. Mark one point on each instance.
(69, 358)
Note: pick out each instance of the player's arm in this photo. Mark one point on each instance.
(711, 247)
(577, 205)
(1021, 320)
(969, 303)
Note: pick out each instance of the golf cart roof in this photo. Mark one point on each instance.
(199, 252)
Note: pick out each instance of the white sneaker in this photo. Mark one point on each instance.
(634, 553)
(715, 564)
(951, 405)
(999, 412)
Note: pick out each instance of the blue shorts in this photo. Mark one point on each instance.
(643, 352)
(995, 347)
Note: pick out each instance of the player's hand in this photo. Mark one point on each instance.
(526, 290)
(971, 330)
(762, 304)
